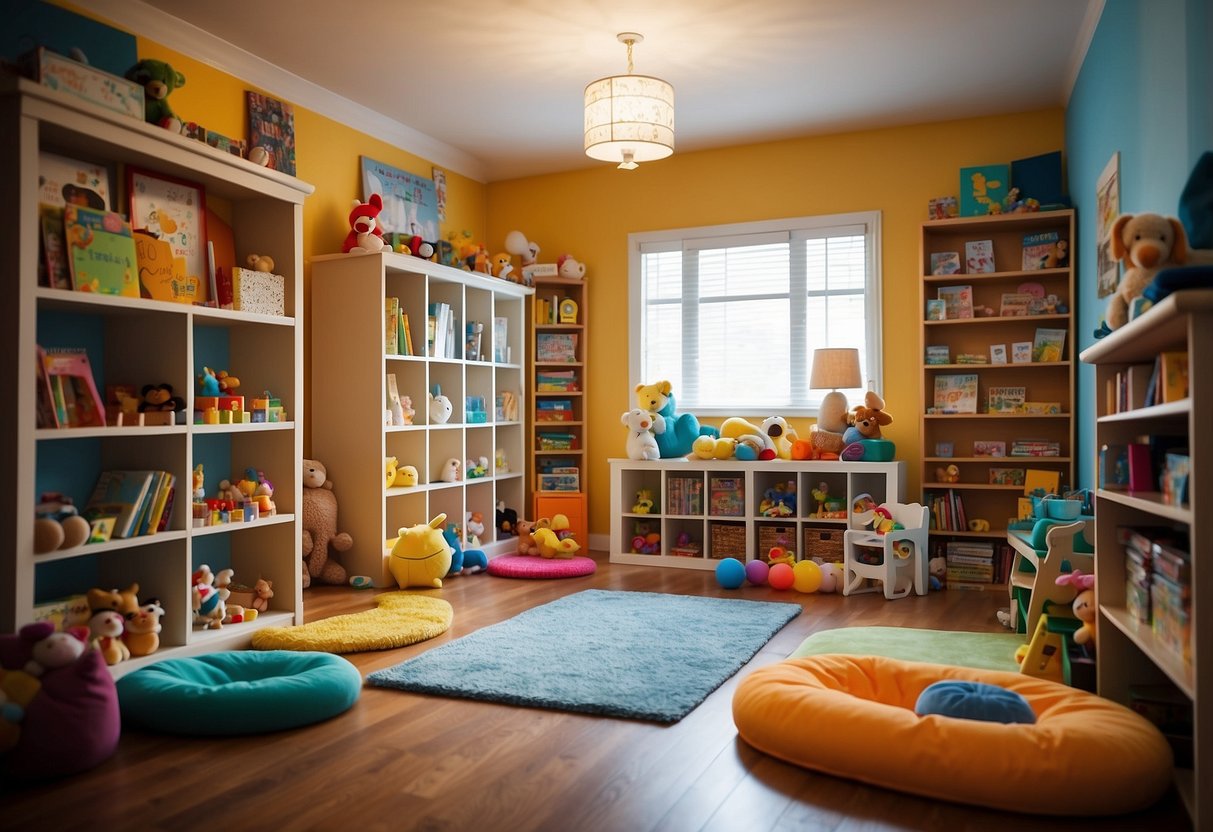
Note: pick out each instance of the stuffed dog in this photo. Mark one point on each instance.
(1148, 243)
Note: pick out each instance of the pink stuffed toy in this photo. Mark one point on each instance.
(366, 235)
(1084, 604)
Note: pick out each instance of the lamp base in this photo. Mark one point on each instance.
(833, 413)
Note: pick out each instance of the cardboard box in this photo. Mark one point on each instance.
(53, 70)
(259, 292)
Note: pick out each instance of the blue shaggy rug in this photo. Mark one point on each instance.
(643, 655)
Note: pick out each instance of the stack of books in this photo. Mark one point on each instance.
(969, 562)
(556, 347)
(553, 410)
(948, 512)
(556, 381)
(684, 496)
(1035, 447)
(556, 441)
(131, 503)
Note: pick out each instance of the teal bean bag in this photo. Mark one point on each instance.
(239, 692)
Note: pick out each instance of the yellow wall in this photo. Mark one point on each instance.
(589, 214)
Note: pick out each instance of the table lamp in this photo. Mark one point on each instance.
(834, 368)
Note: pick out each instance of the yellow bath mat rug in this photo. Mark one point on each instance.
(400, 618)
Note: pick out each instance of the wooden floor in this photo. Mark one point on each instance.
(399, 760)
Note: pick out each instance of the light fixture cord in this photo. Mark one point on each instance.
(629, 43)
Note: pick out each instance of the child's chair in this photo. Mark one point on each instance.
(898, 550)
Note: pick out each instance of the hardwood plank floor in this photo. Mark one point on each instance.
(399, 760)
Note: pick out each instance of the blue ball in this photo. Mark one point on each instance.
(974, 700)
(730, 573)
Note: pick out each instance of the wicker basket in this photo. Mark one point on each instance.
(771, 536)
(728, 541)
(823, 543)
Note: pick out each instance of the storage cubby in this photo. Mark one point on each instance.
(350, 354)
(730, 522)
(136, 341)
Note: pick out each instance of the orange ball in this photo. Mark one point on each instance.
(781, 576)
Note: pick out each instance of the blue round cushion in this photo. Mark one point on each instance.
(239, 692)
(974, 700)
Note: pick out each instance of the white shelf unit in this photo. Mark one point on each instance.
(349, 367)
(138, 341)
(1129, 654)
(884, 481)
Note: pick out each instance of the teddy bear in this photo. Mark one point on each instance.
(642, 425)
(1148, 243)
(159, 397)
(867, 419)
(320, 527)
(158, 80)
(366, 233)
(260, 262)
(681, 429)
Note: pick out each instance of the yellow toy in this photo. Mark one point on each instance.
(421, 556)
(390, 464)
(780, 434)
(1041, 657)
(949, 474)
(977, 524)
(406, 476)
(644, 502)
(710, 447)
(778, 554)
(551, 546)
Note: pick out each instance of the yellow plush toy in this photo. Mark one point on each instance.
(421, 556)
(390, 464)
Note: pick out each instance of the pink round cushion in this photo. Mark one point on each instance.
(530, 566)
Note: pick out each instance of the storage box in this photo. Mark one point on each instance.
(259, 292)
(728, 541)
(771, 536)
(219, 402)
(823, 543)
(53, 70)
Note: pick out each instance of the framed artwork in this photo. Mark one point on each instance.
(410, 202)
(271, 125)
(440, 192)
(1107, 208)
(172, 210)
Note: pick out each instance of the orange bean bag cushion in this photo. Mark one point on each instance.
(853, 716)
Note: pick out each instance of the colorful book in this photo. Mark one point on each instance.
(391, 314)
(75, 401)
(956, 393)
(979, 256)
(1173, 376)
(162, 275)
(1005, 399)
(54, 249)
(1048, 345)
(982, 187)
(1015, 304)
(62, 181)
(941, 208)
(945, 262)
(272, 128)
(937, 310)
(987, 447)
(938, 355)
(101, 252)
(1021, 352)
(958, 301)
(1007, 476)
(1036, 480)
(121, 495)
(1040, 251)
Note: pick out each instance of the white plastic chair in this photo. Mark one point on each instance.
(893, 559)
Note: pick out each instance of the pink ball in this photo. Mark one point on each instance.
(756, 572)
(781, 576)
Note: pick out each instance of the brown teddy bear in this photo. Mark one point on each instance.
(1148, 243)
(320, 527)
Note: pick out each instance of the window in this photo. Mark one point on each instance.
(731, 314)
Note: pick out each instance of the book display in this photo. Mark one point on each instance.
(1152, 533)
(997, 380)
(91, 312)
(559, 338)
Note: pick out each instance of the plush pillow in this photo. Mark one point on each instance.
(974, 700)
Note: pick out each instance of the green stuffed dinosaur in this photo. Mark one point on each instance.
(158, 80)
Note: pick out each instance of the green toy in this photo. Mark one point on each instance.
(158, 80)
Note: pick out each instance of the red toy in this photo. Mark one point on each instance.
(365, 237)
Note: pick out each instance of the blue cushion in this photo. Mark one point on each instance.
(239, 692)
(974, 700)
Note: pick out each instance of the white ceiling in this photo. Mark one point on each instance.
(493, 89)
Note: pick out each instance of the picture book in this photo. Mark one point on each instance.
(1005, 399)
(1040, 408)
(1021, 352)
(958, 301)
(391, 314)
(988, 447)
(120, 494)
(475, 335)
(1015, 304)
(942, 208)
(1036, 480)
(956, 393)
(161, 274)
(62, 181)
(556, 347)
(944, 449)
(979, 256)
(938, 355)
(410, 204)
(1041, 251)
(998, 353)
(54, 251)
(1048, 345)
(101, 252)
(945, 262)
(1007, 476)
(1173, 376)
(501, 347)
(73, 392)
(937, 310)
(981, 187)
(272, 127)
(726, 497)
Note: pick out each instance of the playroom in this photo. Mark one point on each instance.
(627, 417)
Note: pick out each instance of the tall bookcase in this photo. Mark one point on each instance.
(1044, 382)
(1131, 651)
(138, 341)
(559, 344)
(348, 376)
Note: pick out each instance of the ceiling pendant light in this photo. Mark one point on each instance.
(629, 118)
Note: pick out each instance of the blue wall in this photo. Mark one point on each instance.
(1144, 90)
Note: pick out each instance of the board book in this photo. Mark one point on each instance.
(101, 252)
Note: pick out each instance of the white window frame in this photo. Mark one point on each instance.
(687, 239)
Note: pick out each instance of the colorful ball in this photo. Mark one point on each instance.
(806, 576)
(781, 576)
(831, 577)
(756, 572)
(730, 573)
